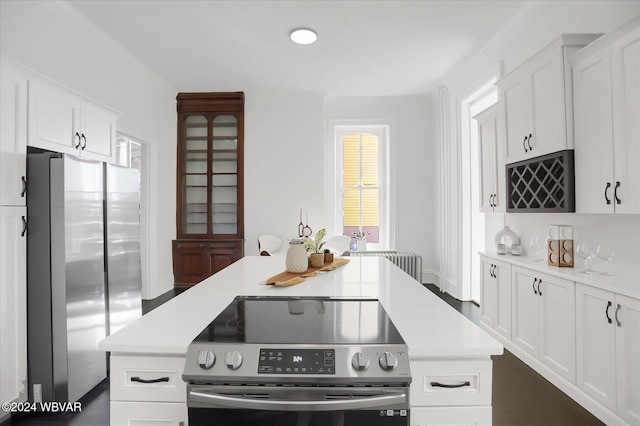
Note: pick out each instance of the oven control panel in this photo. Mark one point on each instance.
(297, 361)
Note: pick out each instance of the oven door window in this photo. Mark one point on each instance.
(236, 417)
(226, 405)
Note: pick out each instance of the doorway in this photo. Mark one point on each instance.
(473, 221)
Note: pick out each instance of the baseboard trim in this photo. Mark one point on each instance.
(447, 285)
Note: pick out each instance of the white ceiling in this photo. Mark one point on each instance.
(364, 47)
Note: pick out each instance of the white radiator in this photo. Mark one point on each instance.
(411, 263)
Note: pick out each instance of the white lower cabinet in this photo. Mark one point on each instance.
(608, 345)
(451, 416)
(13, 305)
(147, 390)
(544, 319)
(583, 339)
(495, 303)
(451, 392)
(148, 414)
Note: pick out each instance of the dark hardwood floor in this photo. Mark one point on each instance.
(520, 395)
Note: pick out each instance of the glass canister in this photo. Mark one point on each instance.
(297, 261)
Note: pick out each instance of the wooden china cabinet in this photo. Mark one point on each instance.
(210, 194)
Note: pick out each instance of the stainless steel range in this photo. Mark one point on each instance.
(298, 361)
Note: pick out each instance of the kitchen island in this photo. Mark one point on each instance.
(147, 357)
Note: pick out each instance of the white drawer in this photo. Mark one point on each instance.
(147, 378)
(455, 382)
(451, 416)
(148, 414)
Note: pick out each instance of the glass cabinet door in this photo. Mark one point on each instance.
(194, 179)
(224, 175)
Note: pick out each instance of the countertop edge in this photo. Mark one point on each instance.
(617, 284)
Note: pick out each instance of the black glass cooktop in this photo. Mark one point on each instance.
(302, 320)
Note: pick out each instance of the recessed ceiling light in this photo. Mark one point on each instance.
(303, 36)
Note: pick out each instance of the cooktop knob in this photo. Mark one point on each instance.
(233, 359)
(360, 361)
(388, 361)
(206, 359)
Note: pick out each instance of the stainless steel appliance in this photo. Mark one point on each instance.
(67, 307)
(298, 361)
(122, 231)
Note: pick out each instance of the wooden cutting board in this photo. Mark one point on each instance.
(285, 279)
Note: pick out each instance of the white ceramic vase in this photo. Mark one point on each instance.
(297, 261)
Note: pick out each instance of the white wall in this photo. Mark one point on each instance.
(51, 40)
(540, 24)
(284, 154)
(621, 232)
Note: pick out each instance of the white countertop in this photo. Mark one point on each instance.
(627, 286)
(431, 328)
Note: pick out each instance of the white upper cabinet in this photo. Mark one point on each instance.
(62, 121)
(606, 85)
(13, 136)
(491, 136)
(537, 100)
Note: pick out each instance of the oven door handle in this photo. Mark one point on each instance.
(249, 403)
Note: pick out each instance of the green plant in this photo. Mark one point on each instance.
(360, 235)
(314, 245)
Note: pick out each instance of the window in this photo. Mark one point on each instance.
(362, 204)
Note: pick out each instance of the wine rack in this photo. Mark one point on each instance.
(544, 184)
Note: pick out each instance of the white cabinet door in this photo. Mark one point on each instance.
(535, 109)
(526, 310)
(13, 305)
(491, 142)
(13, 136)
(451, 416)
(595, 338)
(557, 342)
(54, 118)
(625, 69)
(593, 132)
(489, 294)
(98, 132)
(148, 414)
(514, 97)
(627, 319)
(502, 272)
(545, 84)
(486, 163)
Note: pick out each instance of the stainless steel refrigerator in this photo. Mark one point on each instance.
(67, 294)
(122, 231)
